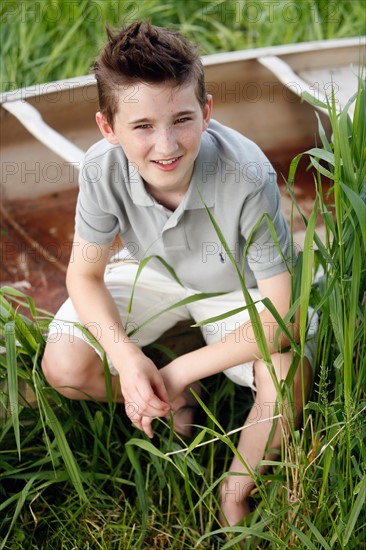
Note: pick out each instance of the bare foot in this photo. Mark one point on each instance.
(235, 491)
(232, 512)
(184, 407)
(183, 416)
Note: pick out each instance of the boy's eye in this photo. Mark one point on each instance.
(183, 119)
(142, 126)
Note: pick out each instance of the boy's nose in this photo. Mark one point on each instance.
(166, 144)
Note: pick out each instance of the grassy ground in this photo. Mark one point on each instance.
(75, 475)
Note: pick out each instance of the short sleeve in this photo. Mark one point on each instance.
(92, 221)
(266, 256)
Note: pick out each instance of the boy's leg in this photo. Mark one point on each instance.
(71, 364)
(254, 438)
(76, 371)
(80, 375)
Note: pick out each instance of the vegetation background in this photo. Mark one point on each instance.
(77, 475)
(46, 40)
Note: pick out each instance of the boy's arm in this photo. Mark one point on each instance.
(141, 384)
(239, 346)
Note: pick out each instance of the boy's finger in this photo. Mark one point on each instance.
(154, 407)
(161, 391)
(143, 402)
(152, 404)
(146, 426)
(139, 407)
(137, 425)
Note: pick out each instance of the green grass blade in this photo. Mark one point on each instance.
(327, 156)
(322, 134)
(20, 503)
(62, 443)
(208, 412)
(313, 100)
(142, 265)
(358, 506)
(317, 535)
(282, 326)
(260, 530)
(222, 316)
(359, 207)
(273, 233)
(293, 169)
(345, 146)
(252, 310)
(140, 486)
(358, 130)
(185, 301)
(149, 447)
(306, 273)
(10, 346)
(23, 327)
(307, 542)
(321, 168)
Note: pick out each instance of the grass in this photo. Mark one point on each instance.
(43, 41)
(76, 475)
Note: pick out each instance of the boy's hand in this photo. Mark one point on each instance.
(144, 391)
(173, 384)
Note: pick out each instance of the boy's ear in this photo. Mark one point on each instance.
(207, 110)
(105, 128)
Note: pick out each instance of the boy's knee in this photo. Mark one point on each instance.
(60, 370)
(53, 367)
(262, 375)
(281, 364)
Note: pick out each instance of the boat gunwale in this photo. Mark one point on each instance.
(35, 90)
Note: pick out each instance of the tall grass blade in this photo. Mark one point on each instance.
(20, 503)
(307, 274)
(140, 488)
(189, 300)
(345, 130)
(62, 443)
(252, 310)
(149, 447)
(258, 531)
(317, 535)
(358, 506)
(12, 371)
(307, 542)
(359, 207)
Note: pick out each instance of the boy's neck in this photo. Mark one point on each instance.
(169, 199)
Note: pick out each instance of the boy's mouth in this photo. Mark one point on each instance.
(166, 162)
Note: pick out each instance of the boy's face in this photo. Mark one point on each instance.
(159, 127)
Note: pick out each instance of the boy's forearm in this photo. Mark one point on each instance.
(142, 386)
(237, 347)
(98, 312)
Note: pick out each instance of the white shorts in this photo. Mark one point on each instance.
(155, 292)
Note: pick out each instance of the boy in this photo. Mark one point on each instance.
(160, 158)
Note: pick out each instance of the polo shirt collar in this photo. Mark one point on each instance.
(139, 194)
(201, 188)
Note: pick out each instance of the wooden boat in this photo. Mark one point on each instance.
(46, 128)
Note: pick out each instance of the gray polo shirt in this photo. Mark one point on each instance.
(231, 176)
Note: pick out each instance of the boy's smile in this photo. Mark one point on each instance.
(159, 127)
